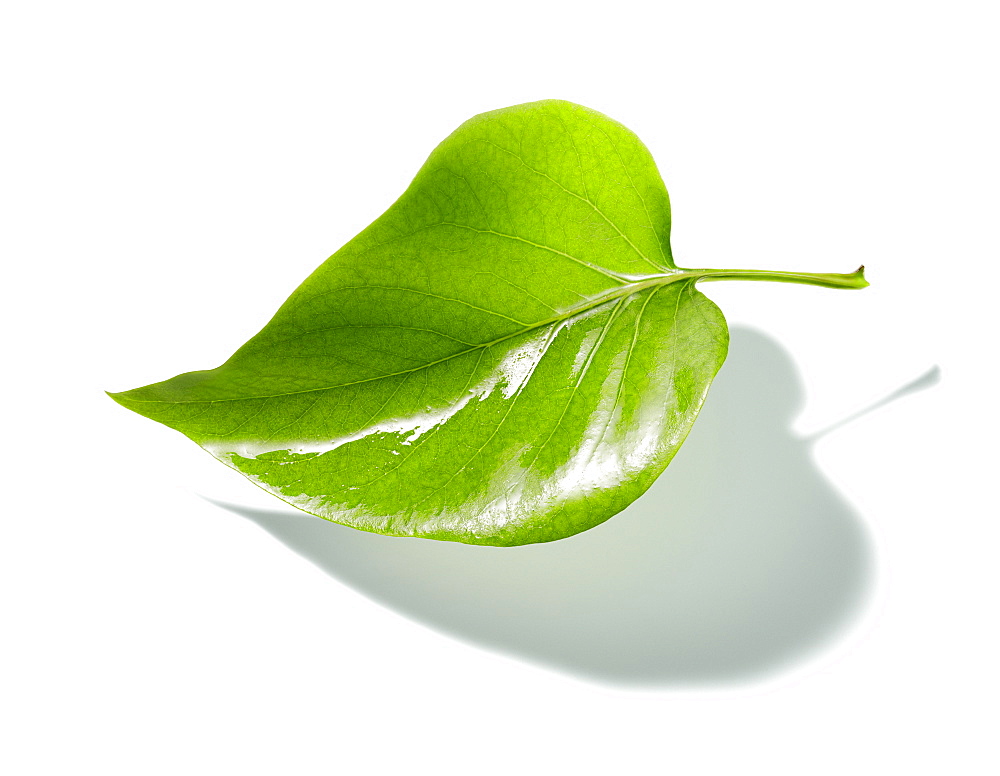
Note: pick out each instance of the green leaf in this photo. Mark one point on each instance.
(508, 355)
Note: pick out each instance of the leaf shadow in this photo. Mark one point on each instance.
(740, 560)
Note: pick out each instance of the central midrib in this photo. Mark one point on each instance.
(616, 293)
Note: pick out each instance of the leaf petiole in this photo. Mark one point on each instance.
(854, 279)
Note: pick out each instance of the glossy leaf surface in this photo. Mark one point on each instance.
(508, 355)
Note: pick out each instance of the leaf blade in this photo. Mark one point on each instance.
(451, 372)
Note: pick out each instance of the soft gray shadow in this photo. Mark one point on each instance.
(739, 559)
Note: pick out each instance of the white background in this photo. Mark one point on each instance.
(170, 172)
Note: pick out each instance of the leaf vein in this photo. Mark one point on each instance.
(588, 201)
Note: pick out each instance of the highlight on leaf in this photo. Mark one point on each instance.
(508, 355)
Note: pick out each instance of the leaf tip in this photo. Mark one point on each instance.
(119, 397)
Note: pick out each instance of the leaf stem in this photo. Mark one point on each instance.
(854, 279)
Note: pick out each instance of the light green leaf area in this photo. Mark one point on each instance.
(508, 355)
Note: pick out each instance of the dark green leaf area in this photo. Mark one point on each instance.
(536, 444)
(521, 216)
